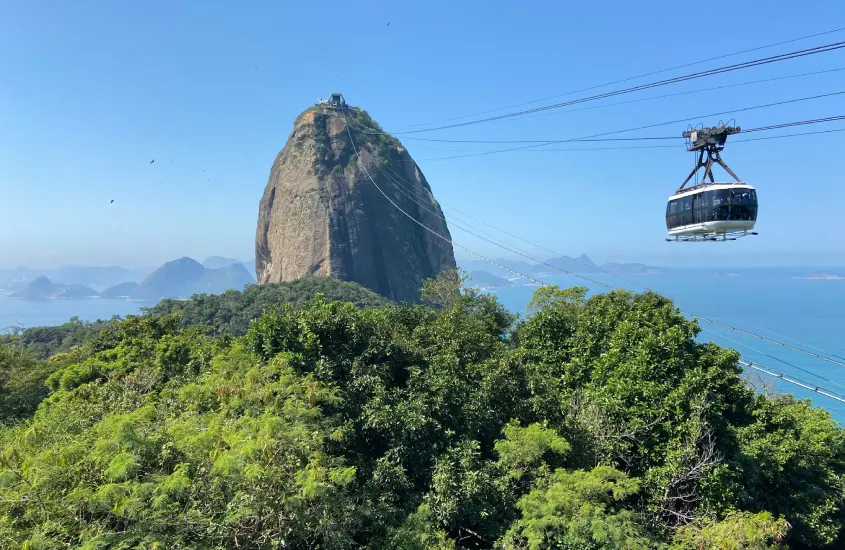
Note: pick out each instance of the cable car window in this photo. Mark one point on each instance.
(686, 215)
(720, 196)
(671, 221)
(741, 197)
(735, 213)
(672, 207)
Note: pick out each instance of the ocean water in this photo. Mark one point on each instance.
(32, 313)
(771, 302)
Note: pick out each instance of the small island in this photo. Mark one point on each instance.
(822, 276)
(43, 288)
(484, 280)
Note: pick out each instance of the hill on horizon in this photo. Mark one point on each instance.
(42, 288)
(184, 277)
(216, 262)
(175, 279)
(581, 265)
(94, 276)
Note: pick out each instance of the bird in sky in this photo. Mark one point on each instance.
(111, 201)
(388, 24)
(152, 161)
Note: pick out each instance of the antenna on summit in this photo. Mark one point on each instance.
(335, 101)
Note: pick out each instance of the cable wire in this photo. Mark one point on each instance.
(645, 127)
(628, 79)
(795, 381)
(787, 363)
(432, 231)
(701, 74)
(771, 341)
(365, 131)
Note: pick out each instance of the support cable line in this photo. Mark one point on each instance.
(693, 76)
(361, 130)
(790, 135)
(791, 124)
(598, 283)
(787, 363)
(614, 104)
(676, 94)
(780, 126)
(796, 341)
(500, 245)
(628, 79)
(569, 149)
(770, 340)
(644, 127)
(817, 389)
(430, 230)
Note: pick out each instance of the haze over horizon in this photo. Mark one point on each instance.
(95, 92)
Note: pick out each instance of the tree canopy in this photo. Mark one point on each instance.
(232, 312)
(591, 423)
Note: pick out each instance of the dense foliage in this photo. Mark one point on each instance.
(232, 312)
(44, 342)
(593, 423)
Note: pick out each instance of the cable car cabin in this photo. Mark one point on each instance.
(713, 211)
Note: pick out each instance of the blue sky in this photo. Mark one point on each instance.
(92, 91)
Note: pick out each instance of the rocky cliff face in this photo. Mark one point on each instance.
(321, 214)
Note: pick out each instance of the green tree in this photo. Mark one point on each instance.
(232, 312)
(445, 289)
(792, 459)
(738, 531)
(578, 511)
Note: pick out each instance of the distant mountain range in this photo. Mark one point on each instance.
(581, 265)
(16, 278)
(97, 277)
(177, 279)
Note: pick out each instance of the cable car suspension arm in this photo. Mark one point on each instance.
(709, 141)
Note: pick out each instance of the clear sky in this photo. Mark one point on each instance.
(91, 92)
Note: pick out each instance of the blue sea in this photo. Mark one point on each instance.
(773, 302)
(33, 313)
(776, 303)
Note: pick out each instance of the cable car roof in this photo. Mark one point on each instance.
(710, 187)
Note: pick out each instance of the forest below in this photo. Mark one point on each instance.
(316, 414)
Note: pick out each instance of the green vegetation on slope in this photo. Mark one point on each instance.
(232, 312)
(44, 342)
(594, 423)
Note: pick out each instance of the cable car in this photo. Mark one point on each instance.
(711, 211)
